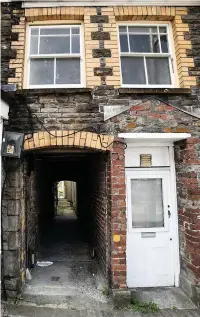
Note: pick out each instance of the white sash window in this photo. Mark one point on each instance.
(145, 55)
(55, 56)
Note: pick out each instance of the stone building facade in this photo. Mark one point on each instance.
(70, 118)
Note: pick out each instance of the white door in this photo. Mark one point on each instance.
(149, 235)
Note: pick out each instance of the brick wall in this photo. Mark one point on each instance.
(100, 209)
(109, 214)
(118, 216)
(31, 212)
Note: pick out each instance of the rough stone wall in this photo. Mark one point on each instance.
(193, 20)
(56, 109)
(12, 53)
(13, 224)
(7, 20)
(155, 116)
(187, 159)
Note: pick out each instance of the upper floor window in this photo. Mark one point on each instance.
(55, 56)
(145, 56)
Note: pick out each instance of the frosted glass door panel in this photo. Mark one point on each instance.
(147, 203)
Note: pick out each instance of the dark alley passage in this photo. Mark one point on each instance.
(72, 237)
(64, 241)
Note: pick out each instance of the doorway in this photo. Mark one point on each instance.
(150, 250)
(152, 223)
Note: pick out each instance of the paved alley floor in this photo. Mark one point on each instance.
(73, 277)
(33, 311)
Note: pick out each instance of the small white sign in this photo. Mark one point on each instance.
(112, 111)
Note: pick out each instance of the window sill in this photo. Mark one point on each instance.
(44, 91)
(153, 91)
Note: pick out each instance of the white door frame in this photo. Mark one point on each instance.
(163, 139)
(175, 224)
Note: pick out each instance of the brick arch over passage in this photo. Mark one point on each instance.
(68, 138)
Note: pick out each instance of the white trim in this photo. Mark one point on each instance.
(176, 246)
(4, 110)
(150, 138)
(170, 55)
(59, 3)
(79, 56)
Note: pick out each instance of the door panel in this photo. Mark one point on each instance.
(149, 243)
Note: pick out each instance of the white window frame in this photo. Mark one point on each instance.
(67, 55)
(170, 55)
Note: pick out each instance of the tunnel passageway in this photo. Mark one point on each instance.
(63, 240)
(67, 238)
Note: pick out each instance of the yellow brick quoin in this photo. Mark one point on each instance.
(129, 14)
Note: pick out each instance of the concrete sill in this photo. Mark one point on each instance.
(53, 91)
(154, 91)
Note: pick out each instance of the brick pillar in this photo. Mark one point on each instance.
(118, 216)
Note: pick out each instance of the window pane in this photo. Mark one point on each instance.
(75, 44)
(158, 70)
(133, 70)
(162, 29)
(164, 43)
(54, 45)
(138, 29)
(54, 31)
(41, 71)
(68, 71)
(34, 31)
(154, 44)
(123, 29)
(154, 30)
(139, 43)
(124, 43)
(147, 203)
(75, 30)
(34, 45)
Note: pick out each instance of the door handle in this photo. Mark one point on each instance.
(169, 213)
